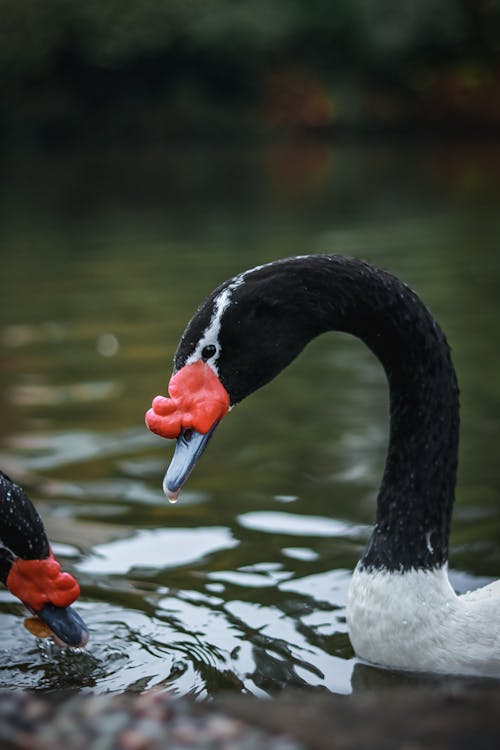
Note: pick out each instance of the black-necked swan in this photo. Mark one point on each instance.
(402, 611)
(30, 571)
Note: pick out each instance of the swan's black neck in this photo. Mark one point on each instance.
(276, 309)
(416, 496)
(21, 529)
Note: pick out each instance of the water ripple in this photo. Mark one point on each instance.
(157, 548)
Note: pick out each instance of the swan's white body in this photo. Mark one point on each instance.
(415, 621)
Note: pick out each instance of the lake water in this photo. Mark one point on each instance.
(242, 584)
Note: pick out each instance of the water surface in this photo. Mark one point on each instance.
(242, 584)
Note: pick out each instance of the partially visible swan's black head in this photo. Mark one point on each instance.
(29, 570)
(253, 325)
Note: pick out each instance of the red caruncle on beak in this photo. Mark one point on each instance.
(197, 401)
(36, 582)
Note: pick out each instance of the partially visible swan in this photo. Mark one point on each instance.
(402, 611)
(29, 570)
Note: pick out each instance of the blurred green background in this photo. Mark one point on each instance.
(145, 69)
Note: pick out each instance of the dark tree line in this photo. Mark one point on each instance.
(132, 69)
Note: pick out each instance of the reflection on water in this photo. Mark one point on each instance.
(159, 548)
(242, 584)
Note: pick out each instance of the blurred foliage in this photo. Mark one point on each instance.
(164, 67)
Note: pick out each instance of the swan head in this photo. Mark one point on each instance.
(247, 331)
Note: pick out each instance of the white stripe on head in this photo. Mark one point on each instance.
(211, 334)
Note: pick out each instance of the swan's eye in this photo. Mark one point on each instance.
(208, 351)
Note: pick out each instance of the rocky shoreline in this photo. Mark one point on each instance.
(430, 718)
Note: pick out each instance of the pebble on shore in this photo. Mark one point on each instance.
(426, 718)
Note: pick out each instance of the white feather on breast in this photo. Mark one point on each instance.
(414, 620)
